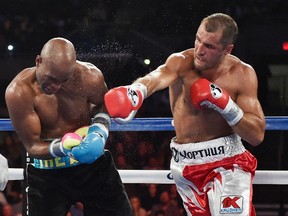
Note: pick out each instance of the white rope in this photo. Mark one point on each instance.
(165, 177)
(15, 174)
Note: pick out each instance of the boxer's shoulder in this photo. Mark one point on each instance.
(26, 76)
(87, 67)
(23, 83)
(88, 72)
(182, 55)
(180, 61)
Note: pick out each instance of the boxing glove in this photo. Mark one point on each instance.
(82, 131)
(62, 147)
(123, 102)
(3, 172)
(92, 145)
(206, 94)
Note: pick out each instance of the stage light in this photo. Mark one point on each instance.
(10, 47)
(147, 61)
(285, 46)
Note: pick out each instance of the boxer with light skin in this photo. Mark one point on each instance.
(51, 106)
(214, 103)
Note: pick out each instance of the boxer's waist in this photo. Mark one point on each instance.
(208, 151)
(55, 163)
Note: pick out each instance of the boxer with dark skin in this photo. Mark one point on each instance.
(214, 103)
(52, 100)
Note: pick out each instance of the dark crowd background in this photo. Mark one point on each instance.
(117, 36)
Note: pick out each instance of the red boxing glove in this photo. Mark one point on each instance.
(123, 102)
(205, 93)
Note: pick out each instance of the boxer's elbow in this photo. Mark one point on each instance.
(38, 151)
(256, 132)
(258, 137)
(257, 140)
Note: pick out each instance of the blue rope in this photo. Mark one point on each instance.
(162, 124)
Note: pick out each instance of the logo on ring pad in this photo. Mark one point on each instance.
(169, 176)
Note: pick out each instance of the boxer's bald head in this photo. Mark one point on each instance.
(58, 52)
(55, 64)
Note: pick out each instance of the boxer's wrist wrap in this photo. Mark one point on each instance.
(102, 118)
(232, 113)
(55, 148)
(142, 88)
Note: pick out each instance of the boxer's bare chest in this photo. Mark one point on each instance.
(63, 110)
(191, 124)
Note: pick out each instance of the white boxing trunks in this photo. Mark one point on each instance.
(214, 178)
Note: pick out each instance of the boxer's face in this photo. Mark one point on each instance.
(208, 49)
(52, 76)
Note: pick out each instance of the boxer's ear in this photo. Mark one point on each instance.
(38, 60)
(228, 49)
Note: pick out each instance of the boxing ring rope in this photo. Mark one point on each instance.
(164, 176)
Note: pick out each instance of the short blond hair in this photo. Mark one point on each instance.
(219, 20)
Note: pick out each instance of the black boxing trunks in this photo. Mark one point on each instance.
(51, 192)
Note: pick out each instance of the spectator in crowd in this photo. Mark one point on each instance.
(3, 199)
(176, 197)
(142, 154)
(77, 209)
(121, 162)
(150, 197)
(168, 206)
(137, 206)
(7, 210)
(153, 163)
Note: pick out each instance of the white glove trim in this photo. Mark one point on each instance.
(232, 113)
(127, 119)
